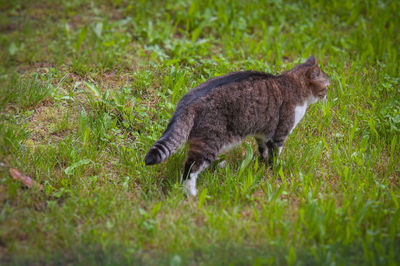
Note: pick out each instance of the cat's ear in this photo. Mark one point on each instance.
(316, 77)
(314, 72)
(310, 61)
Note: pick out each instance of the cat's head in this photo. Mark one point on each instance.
(315, 80)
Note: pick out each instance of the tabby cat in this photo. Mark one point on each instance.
(222, 111)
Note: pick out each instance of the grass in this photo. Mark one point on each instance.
(87, 87)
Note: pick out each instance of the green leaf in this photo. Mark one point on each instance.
(247, 160)
(70, 169)
(98, 29)
(81, 37)
(283, 177)
(12, 50)
(93, 89)
(202, 198)
(291, 257)
(176, 260)
(156, 209)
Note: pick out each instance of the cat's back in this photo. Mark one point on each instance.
(224, 85)
(241, 101)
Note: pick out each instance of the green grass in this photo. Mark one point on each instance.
(86, 87)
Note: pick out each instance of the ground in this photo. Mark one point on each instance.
(86, 87)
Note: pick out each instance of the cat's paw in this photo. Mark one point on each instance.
(190, 188)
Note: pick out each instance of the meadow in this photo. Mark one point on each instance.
(86, 87)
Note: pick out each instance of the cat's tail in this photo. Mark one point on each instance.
(175, 135)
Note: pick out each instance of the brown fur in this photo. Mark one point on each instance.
(226, 109)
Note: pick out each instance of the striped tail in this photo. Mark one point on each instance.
(174, 136)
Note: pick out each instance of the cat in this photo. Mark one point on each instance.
(222, 111)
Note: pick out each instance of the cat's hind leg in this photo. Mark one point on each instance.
(200, 155)
(192, 171)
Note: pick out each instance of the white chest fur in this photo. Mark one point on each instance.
(299, 113)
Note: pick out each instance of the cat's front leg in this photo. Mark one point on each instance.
(281, 133)
(276, 144)
(266, 148)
